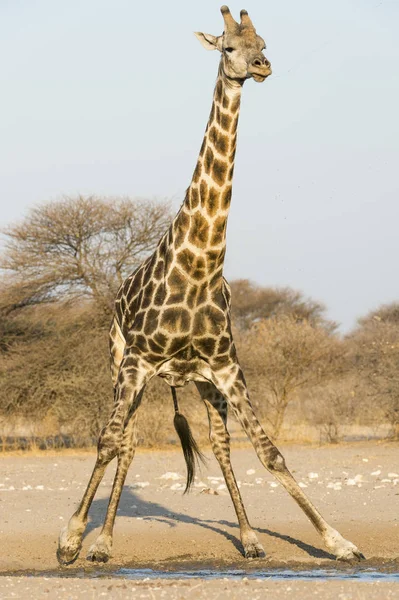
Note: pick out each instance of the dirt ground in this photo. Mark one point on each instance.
(355, 486)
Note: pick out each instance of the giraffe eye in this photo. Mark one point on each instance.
(228, 49)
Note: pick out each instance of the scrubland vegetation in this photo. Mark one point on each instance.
(61, 267)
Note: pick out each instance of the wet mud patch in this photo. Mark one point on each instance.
(370, 570)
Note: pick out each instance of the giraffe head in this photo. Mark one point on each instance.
(241, 48)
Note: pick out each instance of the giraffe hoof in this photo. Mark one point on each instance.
(100, 551)
(97, 556)
(252, 548)
(343, 549)
(254, 551)
(66, 557)
(351, 555)
(69, 546)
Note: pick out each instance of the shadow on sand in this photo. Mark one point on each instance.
(132, 505)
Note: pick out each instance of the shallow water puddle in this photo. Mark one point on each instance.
(275, 574)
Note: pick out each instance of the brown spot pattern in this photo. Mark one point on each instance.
(219, 171)
(208, 160)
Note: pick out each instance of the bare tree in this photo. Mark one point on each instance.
(281, 356)
(252, 302)
(79, 247)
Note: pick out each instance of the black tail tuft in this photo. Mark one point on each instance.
(192, 453)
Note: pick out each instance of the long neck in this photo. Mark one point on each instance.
(199, 228)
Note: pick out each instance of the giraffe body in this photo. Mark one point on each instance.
(172, 319)
(175, 309)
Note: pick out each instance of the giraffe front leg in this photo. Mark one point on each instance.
(231, 383)
(220, 440)
(132, 378)
(100, 551)
(70, 538)
(129, 392)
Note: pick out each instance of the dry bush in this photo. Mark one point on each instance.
(57, 372)
(374, 357)
(281, 356)
(332, 406)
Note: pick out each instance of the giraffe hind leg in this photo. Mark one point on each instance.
(231, 384)
(220, 440)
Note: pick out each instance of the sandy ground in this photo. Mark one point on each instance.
(356, 487)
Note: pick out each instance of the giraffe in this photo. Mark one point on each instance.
(172, 319)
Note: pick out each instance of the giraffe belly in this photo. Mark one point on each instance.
(179, 372)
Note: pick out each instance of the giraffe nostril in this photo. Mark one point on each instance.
(257, 62)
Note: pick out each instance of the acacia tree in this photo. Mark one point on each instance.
(282, 355)
(78, 247)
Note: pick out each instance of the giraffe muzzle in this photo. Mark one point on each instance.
(260, 78)
(260, 69)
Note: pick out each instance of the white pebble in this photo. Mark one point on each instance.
(171, 475)
(313, 475)
(375, 473)
(393, 475)
(302, 485)
(177, 486)
(250, 471)
(335, 485)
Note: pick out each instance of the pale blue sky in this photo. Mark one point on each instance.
(112, 97)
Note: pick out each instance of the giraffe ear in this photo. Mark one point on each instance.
(210, 42)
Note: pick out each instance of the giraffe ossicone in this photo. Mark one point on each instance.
(172, 319)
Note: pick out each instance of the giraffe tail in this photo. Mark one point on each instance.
(192, 453)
